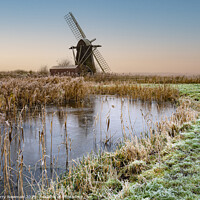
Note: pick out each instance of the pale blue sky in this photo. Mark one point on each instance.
(136, 36)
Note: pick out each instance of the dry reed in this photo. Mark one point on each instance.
(18, 93)
(159, 93)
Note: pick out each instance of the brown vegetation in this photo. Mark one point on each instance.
(94, 174)
(160, 93)
(141, 78)
(109, 78)
(17, 93)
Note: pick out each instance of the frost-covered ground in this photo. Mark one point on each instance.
(190, 90)
(177, 176)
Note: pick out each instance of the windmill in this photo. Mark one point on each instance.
(86, 52)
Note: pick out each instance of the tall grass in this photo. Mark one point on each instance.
(17, 176)
(159, 92)
(16, 93)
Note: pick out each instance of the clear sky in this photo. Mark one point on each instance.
(136, 35)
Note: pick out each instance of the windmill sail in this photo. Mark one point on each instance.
(74, 26)
(101, 61)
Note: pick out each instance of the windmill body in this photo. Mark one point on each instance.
(84, 56)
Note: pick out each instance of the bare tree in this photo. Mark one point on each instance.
(44, 70)
(64, 62)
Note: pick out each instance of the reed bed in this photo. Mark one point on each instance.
(160, 92)
(12, 178)
(16, 175)
(103, 175)
(17, 93)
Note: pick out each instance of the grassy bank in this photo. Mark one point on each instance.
(190, 90)
(176, 176)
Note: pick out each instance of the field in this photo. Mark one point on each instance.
(164, 165)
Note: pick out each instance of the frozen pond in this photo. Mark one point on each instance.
(99, 124)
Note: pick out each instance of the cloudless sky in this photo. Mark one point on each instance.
(136, 35)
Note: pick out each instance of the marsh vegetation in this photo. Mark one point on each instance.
(124, 172)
